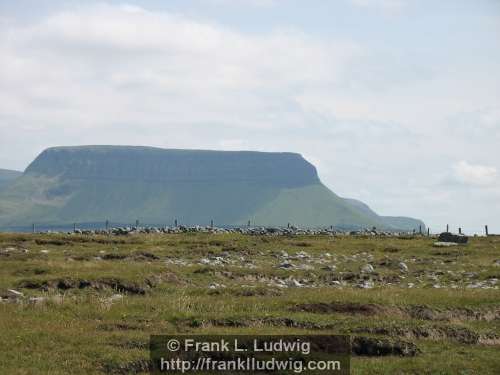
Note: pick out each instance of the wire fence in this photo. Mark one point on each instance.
(107, 225)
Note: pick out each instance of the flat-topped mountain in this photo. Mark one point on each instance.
(123, 183)
(150, 164)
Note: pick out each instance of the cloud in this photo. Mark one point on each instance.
(380, 112)
(103, 64)
(475, 174)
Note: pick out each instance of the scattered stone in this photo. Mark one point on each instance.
(403, 267)
(367, 268)
(444, 244)
(12, 293)
(366, 284)
(294, 283)
(216, 286)
(286, 265)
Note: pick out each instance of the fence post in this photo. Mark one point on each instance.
(175, 223)
(428, 232)
(211, 223)
(107, 224)
(74, 227)
(248, 223)
(420, 229)
(33, 228)
(447, 228)
(459, 230)
(486, 230)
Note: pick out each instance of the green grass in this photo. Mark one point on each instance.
(86, 334)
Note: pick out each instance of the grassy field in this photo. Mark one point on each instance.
(90, 303)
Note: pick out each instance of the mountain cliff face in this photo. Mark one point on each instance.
(174, 166)
(121, 184)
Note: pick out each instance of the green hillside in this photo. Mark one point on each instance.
(7, 176)
(121, 184)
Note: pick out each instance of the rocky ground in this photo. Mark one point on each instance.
(87, 303)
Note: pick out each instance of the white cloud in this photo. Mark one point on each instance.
(475, 174)
(381, 122)
(123, 63)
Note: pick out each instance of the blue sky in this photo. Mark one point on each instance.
(397, 102)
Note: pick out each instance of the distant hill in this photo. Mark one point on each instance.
(123, 183)
(389, 221)
(7, 176)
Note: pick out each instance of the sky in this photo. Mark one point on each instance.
(396, 102)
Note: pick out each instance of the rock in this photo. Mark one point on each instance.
(444, 244)
(294, 283)
(11, 293)
(450, 237)
(116, 298)
(367, 268)
(366, 284)
(216, 286)
(286, 265)
(302, 255)
(403, 267)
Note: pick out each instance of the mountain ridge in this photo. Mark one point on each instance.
(124, 183)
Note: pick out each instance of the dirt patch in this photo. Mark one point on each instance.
(257, 322)
(133, 367)
(119, 285)
(120, 326)
(129, 344)
(373, 347)
(65, 284)
(347, 308)
(391, 249)
(113, 257)
(145, 256)
(427, 313)
(419, 312)
(257, 292)
(448, 253)
(303, 244)
(164, 278)
(459, 334)
(52, 241)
